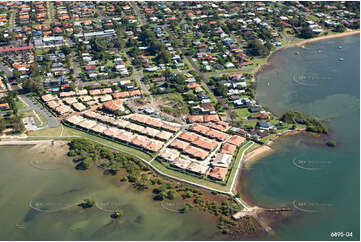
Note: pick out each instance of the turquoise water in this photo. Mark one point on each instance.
(323, 182)
(56, 188)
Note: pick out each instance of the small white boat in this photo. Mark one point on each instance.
(297, 53)
(340, 47)
(340, 59)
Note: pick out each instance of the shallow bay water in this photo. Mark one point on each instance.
(321, 79)
(54, 193)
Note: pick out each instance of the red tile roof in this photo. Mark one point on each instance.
(236, 140)
(188, 136)
(218, 173)
(196, 152)
(205, 143)
(228, 148)
(178, 144)
(9, 49)
(217, 134)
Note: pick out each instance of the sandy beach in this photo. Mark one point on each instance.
(257, 153)
(41, 146)
(331, 36)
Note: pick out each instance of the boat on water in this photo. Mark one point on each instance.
(297, 53)
(341, 59)
(340, 47)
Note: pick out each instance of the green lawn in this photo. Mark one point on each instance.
(20, 104)
(51, 132)
(241, 113)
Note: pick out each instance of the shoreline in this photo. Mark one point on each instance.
(266, 149)
(300, 43)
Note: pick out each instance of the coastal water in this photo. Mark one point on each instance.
(322, 183)
(53, 188)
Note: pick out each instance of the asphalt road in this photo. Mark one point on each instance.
(33, 105)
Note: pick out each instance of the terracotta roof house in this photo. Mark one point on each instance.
(67, 94)
(236, 140)
(62, 109)
(99, 128)
(218, 173)
(154, 123)
(188, 136)
(120, 95)
(199, 128)
(140, 141)
(47, 97)
(192, 85)
(106, 90)
(139, 118)
(217, 126)
(70, 100)
(196, 152)
(263, 116)
(150, 131)
(170, 128)
(78, 106)
(135, 127)
(195, 118)
(125, 136)
(105, 98)
(75, 119)
(179, 144)
(205, 143)
(228, 148)
(154, 145)
(164, 135)
(211, 118)
(87, 124)
(114, 105)
(221, 136)
(95, 92)
(122, 123)
(53, 104)
(82, 92)
(112, 132)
